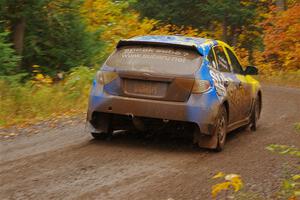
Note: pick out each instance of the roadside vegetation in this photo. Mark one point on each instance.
(231, 186)
(50, 49)
(40, 99)
(288, 78)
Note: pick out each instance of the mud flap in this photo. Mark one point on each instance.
(101, 122)
(205, 141)
(89, 128)
(208, 141)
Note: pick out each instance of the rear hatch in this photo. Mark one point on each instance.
(153, 71)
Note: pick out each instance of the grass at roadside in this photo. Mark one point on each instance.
(288, 78)
(38, 100)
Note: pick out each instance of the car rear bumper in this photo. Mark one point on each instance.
(199, 109)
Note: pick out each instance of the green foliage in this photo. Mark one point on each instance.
(290, 188)
(284, 149)
(173, 12)
(65, 43)
(8, 59)
(13, 10)
(56, 35)
(234, 16)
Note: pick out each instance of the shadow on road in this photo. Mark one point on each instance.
(161, 142)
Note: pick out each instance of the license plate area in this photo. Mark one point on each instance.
(142, 88)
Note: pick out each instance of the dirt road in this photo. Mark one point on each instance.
(66, 163)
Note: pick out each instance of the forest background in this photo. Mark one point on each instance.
(51, 49)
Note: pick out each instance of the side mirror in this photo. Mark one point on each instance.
(251, 70)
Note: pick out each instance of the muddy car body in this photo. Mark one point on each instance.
(194, 84)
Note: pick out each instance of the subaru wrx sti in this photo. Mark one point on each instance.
(177, 83)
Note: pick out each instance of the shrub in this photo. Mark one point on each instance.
(8, 59)
(39, 99)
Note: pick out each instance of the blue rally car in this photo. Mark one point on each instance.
(174, 83)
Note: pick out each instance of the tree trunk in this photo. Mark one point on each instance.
(18, 31)
(234, 33)
(281, 5)
(224, 30)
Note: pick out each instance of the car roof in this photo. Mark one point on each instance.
(175, 39)
(203, 45)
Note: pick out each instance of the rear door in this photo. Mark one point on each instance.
(229, 82)
(243, 87)
(153, 72)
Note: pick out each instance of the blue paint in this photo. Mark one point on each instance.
(200, 108)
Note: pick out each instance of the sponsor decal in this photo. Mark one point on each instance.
(237, 95)
(219, 79)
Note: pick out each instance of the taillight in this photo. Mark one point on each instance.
(200, 86)
(104, 77)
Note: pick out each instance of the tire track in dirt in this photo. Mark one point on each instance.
(65, 163)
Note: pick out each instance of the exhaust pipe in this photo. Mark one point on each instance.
(137, 122)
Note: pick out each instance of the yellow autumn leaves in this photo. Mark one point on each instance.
(40, 78)
(234, 183)
(117, 21)
(229, 182)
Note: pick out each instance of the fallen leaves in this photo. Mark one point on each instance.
(230, 182)
(29, 129)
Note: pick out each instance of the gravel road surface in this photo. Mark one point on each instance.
(66, 163)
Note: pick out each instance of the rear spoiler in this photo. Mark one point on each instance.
(122, 43)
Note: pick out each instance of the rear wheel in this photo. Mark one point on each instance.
(221, 129)
(217, 140)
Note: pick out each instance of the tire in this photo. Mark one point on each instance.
(100, 136)
(255, 115)
(221, 129)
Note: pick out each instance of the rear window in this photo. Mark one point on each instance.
(155, 59)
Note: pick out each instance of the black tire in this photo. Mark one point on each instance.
(255, 115)
(221, 129)
(100, 136)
